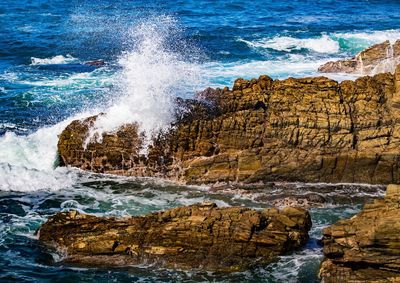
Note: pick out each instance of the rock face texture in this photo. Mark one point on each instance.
(200, 236)
(379, 58)
(365, 248)
(310, 129)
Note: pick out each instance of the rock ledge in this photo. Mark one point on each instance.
(200, 236)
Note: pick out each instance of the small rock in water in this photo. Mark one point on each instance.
(95, 63)
(379, 58)
(305, 201)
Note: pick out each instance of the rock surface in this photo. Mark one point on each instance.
(200, 236)
(378, 58)
(365, 248)
(309, 129)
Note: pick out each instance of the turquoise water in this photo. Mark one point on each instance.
(154, 51)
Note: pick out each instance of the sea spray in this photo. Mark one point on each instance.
(152, 76)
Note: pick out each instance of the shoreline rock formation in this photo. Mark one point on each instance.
(366, 247)
(308, 130)
(379, 58)
(200, 236)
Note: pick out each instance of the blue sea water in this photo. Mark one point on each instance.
(154, 51)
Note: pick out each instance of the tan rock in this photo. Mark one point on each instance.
(379, 58)
(366, 247)
(309, 129)
(200, 236)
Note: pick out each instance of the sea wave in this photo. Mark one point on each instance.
(28, 161)
(323, 44)
(333, 43)
(58, 59)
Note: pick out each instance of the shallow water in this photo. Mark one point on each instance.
(22, 213)
(154, 52)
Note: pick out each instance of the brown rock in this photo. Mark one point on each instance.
(310, 130)
(379, 58)
(200, 236)
(366, 247)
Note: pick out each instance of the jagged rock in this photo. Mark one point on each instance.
(309, 130)
(200, 236)
(366, 247)
(379, 58)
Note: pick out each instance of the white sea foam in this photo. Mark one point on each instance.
(151, 78)
(327, 43)
(372, 37)
(323, 44)
(59, 59)
(27, 162)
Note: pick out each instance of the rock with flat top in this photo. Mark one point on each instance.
(201, 236)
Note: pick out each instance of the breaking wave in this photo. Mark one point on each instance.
(152, 76)
(333, 43)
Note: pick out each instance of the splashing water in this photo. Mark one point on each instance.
(151, 78)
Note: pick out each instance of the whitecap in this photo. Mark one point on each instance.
(365, 39)
(58, 59)
(322, 44)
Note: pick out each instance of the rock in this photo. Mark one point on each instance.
(307, 130)
(95, 63)
(200, 236)
(366, 247)
(378, 58)
(305, 201)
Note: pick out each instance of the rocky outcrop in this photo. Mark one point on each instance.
(378, 58)
(200, 236)
(365, 248)
(309, 129)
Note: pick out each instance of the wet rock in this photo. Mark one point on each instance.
(307, 130)
(378, 58)
(366, 247)
(200, 236)
(96, 63)
(305, 201)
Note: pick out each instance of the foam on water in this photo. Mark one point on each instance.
(323, 44)
(364, 39)
(58, 59)
(27, 163)
(332, 43)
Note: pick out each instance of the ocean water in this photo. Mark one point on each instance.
(154, 51)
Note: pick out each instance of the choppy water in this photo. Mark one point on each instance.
(154, 51)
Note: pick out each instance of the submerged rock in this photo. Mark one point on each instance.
(379, 58)
(96, 63)
(366, 247)
(308, 130)
(200, 236)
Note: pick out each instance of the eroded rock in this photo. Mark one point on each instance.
(200, 236)
(366, 247)
(379, 58)
(309, 130)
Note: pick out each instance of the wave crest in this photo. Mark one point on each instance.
(58, 59)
